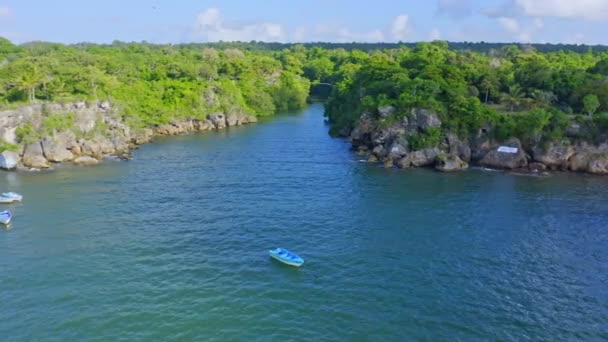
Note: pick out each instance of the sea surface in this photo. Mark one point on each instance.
(173, 245)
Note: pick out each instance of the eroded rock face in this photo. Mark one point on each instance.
(232, 119)
(86, 161)
(362, 132)
(421, 158)
(555, 155)
(85, 120)
(102, 132)
(167, 129)
(218, 120)
(598, 163)
(33, 157)
(90, 148)
(56, 150)
(386, 111)
(579, 162)
(505, 160)
(424, 157)
(202, 125)
(105, 106)
(450, 163)
(458, 147)
(398, 149)
(61, 147)
(184, 126)
(425, 119)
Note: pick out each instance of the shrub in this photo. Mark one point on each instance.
(431, 138)
(26, 134)
(4, 146)
(56, 123)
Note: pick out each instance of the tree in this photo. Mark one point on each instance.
(29, 76)
(543, 99)
(487, 84)
(591, 104)
(514, 97)
(318, 69)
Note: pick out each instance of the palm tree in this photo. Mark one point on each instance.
(487, 84)
(514, 97)
(543, 98)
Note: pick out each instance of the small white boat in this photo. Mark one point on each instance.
(5, 217)
(6, 200)
(13, 195)
(286, 257)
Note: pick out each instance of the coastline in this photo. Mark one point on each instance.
(392, 142)
(42, 136)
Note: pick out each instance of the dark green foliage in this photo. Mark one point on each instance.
(517, 91)
(527, 91)
(155, 84)
(431, 138)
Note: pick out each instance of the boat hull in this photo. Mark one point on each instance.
(5, 217)
(286, 257)
(286, 262)
(11, 196)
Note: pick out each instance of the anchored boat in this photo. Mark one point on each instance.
(286, 257)
(10, 197)
(5, 217)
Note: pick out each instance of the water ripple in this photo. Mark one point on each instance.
(173, 246)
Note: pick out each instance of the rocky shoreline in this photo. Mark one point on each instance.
(88, 133)
(383, 137)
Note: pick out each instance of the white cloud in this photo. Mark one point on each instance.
(524, 37)
(210, 26)
(435, 34)
(211, 18)
(582, 9)
(400, 27)
(539, 24)
(511, 25)
(335, 34)
(5, 12)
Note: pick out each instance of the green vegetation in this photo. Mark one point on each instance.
(531, 92)
(431, 138)
(518, 92)
(591, 104)
(4, 146)
(27, 134)
(56, 123)
(152, 84)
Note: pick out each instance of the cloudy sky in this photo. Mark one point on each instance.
(175, 21)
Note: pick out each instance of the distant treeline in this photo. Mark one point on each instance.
(526, 91)
(482, 47)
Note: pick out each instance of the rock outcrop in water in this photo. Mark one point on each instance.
(498, 159)
(84, 134)
(416, 140)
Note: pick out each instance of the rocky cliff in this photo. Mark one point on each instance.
(39, 136)
(395, 140)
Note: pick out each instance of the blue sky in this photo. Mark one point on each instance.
(175, 21)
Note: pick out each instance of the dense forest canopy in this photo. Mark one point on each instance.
(521, 90)
(153, 84)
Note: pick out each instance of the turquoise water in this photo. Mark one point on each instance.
(173, 245)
